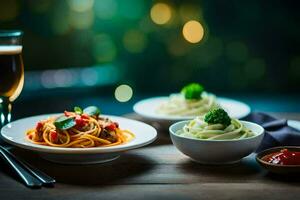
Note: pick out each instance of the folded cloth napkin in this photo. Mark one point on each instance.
(277, 131)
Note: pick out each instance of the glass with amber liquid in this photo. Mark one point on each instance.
(11, 72)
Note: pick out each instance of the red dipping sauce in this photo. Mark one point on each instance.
(283, 157)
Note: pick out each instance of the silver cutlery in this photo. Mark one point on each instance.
(31, 176)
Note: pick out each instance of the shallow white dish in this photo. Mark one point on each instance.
(147, 109)
(14, 133)
(217, 151)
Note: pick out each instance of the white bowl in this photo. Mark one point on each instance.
(147, 109)
(14, 133)
(217, 151)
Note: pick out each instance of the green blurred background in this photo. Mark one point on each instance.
(158, 46)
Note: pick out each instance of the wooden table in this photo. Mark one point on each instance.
(156, 171)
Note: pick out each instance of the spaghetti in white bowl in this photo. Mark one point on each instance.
(216, 143)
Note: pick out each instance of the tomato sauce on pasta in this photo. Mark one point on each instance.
(78, 130)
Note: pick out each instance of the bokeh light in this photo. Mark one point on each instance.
(57, 78)
(9, 10)
(104, 74)
(89, 76)
(237, 51)
(81, 20)
(81, 5)
(123, 93)
(2, 118)
(63, 78)
(60, 21)
(161, 13)
(60, 27)
(104, 49)
(134, 41)
(47, 80)
(186, 39)
(105, 9)
(193, 31)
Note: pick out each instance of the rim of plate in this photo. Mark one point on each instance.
(151, 137)
(257, 134)
(139, 108)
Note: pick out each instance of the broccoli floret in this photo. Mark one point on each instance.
(217, 116)
(192, 91)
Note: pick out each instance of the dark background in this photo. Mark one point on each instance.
(250, 49)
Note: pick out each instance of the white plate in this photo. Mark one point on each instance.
(147, 107)
(14, 133)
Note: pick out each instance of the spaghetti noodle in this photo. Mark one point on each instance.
(78, 130)
(200, 129)
(178, 105)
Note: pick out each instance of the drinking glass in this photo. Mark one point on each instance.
(11, 72)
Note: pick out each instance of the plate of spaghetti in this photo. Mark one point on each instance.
(82, 136)
(192, 101)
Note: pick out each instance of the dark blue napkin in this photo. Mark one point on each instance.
(277, 131)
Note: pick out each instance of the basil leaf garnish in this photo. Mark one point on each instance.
(77, 110)
(64, 122)
(92, 111)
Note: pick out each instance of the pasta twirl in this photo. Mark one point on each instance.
(200, 129)
(78, 131)
(180, 106)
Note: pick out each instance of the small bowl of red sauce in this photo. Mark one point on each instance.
(285, 159)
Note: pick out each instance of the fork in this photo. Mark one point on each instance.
(31, 176)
